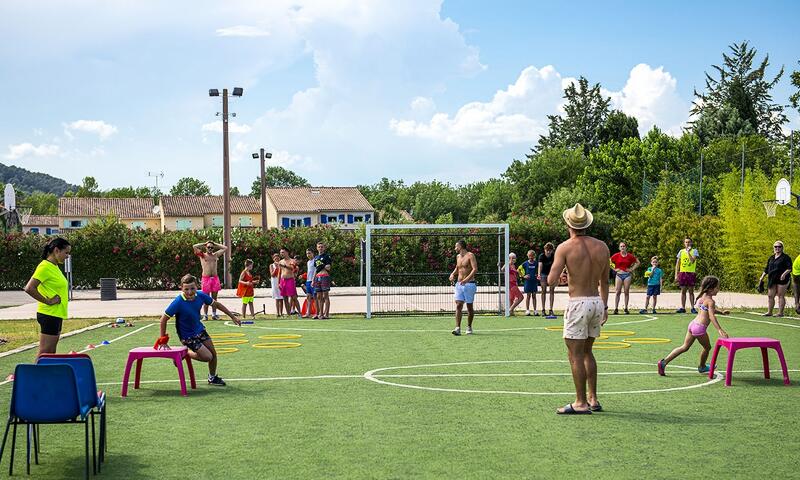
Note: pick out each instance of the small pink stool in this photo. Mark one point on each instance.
(177, 354)
(733, 344)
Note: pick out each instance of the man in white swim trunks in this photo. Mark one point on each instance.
(587, 262)
(465, 287)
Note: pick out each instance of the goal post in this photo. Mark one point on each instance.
(408, 267)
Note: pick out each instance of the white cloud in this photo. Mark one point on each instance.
(242, 31)
(518, 114)
(29, 150)
(650, 95)
(98, 127)
(423, 105)
(233, 127)
(514, 115)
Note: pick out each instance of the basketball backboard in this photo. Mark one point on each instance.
(783, 192)
(10, 197)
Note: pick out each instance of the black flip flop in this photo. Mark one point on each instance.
(596, 408)
(570, 410)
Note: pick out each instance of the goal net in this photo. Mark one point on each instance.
(408, 268)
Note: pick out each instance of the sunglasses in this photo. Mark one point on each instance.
(777, 246)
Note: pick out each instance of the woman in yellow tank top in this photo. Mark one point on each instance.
(50, 288)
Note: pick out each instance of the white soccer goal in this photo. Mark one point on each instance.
(408, 267)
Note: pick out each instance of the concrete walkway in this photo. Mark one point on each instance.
(344, 300)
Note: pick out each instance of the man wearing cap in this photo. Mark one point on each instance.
(587, 262)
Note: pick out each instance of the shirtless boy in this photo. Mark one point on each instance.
(209, 253)
(465, 286)
(587, 262)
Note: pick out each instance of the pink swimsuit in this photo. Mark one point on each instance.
(696, 328)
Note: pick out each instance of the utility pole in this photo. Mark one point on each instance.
(226, 180)
(263, 156)
(226, 190)
(156, 175)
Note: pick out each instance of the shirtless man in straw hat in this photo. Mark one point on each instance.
(587, 261)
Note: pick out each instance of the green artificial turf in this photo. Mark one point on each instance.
(24, 332)
(308, 412)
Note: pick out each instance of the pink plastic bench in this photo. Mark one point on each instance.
(177, 354)
(733, 344)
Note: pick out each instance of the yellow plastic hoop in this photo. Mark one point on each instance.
(227, 335)
(617, 333)
(280, 336)
(554, 328)
(277, 345)
(647, 340)
(611, 345)
(224, 350)
(231, 342)
(602, 337)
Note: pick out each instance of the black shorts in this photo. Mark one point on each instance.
(195, 342)
(50, 325)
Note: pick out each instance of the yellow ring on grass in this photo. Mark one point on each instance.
(227, 335)
(611, 345)
(224, 350)
(554, 328)
(602, 337)
(277, 345)
(647, 340)
(617, 333)
(280, 336)
(231, 342)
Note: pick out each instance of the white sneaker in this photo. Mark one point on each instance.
(456, 332)
(527, 313)
(469, 330)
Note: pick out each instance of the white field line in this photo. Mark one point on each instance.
(68, 334)
(110, 341)
(254, 379)
(762, 315)
(763, 321)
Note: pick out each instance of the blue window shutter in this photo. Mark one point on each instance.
(323, 219)
(349, 218)
(341, 217)
(285, 222)
(367, 218)
(307, 221)
(36, 230)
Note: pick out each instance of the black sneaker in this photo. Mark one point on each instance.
(216, 381)
(456, 332)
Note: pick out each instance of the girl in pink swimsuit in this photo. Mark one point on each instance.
(706, 313)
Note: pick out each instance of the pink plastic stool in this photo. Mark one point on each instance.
(733, 344)
(177, 354)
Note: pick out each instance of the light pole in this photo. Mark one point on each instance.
(263, 155)
(226, 180)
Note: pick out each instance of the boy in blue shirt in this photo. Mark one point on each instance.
(191, 331)
(654, 277)
(530, 269)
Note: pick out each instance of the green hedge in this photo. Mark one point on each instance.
(146, 259)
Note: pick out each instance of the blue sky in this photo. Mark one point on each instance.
(346, 92)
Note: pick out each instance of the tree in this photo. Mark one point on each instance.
(494, 201)
(585, 111)
(543, 172)
(234, 191)
(88, 188)
(795, 97)
(128, 192)
(618, 127)
(745, 89)
(189, 186)
(42, 203)
(277, 177)
(723, 122)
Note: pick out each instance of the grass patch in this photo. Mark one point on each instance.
(308, 412)
(25, 332)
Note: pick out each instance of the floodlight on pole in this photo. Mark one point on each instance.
(263, 155)
(226, 180)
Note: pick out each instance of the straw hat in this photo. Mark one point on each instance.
(577, 217)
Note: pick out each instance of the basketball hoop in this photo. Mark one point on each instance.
(771, 206)
(24, 214)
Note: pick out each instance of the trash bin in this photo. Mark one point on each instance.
(108, 289)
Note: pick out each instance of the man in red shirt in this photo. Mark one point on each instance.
(624, 264)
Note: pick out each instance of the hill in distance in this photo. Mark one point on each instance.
(28, 181)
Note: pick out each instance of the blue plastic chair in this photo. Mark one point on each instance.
(87, 384)
(45, 394)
